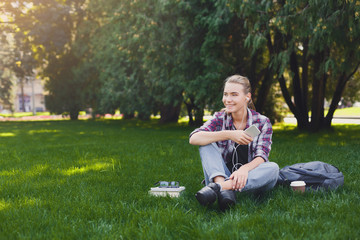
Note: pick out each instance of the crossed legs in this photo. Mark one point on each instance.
(262, 178)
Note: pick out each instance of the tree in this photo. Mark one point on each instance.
(16, 58)
(117, 55)
(6, 83)
(5, 89)
(352, 91)
(311, 44)
(138, 57)
(160, 37)
(214, 48)
(24, 66)
(65, 94)
(52, 30)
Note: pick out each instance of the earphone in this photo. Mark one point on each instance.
(247, 99)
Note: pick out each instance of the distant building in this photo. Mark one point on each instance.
(33, 97)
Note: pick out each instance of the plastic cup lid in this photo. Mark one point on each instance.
(297, 184)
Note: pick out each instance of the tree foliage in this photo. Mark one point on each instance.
(151, 57)
(49, 30)
(6, 82)
(311, 45)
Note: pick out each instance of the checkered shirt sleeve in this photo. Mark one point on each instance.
(261, 145)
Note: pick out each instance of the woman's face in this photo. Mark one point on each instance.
(234, 98)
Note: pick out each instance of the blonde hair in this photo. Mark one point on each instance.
(244, 81)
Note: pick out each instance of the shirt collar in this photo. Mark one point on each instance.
(249, 121)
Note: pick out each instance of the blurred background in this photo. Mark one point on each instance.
(168, 59)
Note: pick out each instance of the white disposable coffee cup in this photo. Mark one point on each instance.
(298, 186)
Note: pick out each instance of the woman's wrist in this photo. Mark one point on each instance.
(229, 134)
(245, 167)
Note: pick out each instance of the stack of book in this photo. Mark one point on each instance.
(166, 191)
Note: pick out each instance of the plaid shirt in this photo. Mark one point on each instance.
(259, 147)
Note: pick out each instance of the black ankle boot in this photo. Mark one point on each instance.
(227, 198)
(207, 195)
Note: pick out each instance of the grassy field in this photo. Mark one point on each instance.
(347, 112)
(344, 112)
(90, 180)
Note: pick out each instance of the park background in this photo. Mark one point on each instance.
(148, 73)
(170, 58)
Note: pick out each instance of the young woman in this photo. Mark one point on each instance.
(231, 159)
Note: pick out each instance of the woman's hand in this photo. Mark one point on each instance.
(240, 137)
(239, 178)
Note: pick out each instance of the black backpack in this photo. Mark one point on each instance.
(315, 174)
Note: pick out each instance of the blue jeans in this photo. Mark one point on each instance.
(261, 178)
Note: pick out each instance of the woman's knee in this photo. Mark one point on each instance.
(210, 148)
(273, 169)
(204, 147)
(274, 166)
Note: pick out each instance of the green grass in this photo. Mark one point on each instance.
(90, 180)
(347, 112)
(23, 114)
(343, 112)
(27, 114)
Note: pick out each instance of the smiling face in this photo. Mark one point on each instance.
(234, 97)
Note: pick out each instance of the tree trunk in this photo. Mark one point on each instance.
(318, 95)
(297, 109)
(128, 115)
(296, 82)
(254, 80)
(199, 116)
(198, 113)
(335, 100)
(189, 108)
(287, 96)
(143, 116)
(263, 91)
(74, 115)
(170, 113)
(343, 79)
(22, 95)
(303, 119)
(304, 78)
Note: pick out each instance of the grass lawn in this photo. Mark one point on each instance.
(347, 112)
(343, 112)
(90, 180)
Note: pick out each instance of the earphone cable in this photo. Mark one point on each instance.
(236, 165)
